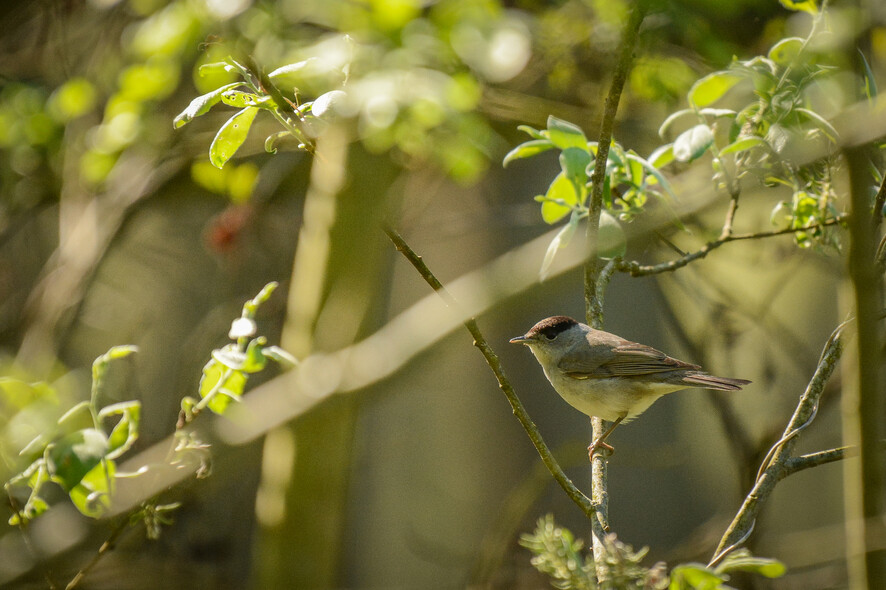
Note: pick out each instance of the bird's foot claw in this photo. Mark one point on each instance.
(605, 448)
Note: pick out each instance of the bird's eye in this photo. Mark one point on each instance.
(550, 335)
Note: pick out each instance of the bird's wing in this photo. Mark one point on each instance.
(619, 358)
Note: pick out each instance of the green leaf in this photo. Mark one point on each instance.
(564, 134)
(574, 162)
(662, 156)
(240, 99)
(820, 122)
(533, 132)
(742, 144)
(742, 560)
(222, 383)
(670, 121)
(652, 170)
(870, 83)
(611, 237)
(125, 432)
(291, 68)
(92, 495)
(692, 143)
(560, 240)
(77, 417)
(329, 104)
(201, 105)
(560, 199)
(809, 6)
(231, 136)
(527, 150)
(75, 455)
(786, 51)
(283, 358)
(271, 141)
(694, 576)
(712, 87)
(252, 305)
(717, 113)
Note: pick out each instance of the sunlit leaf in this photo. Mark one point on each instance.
(742, 144)
(273, 139)
(662, 156)
(533, 132)
(786, 51)
(74, 455)
(742, 560)
(564, 134)
(291, 68)
(328, 104)
(283, 358)
(231, 136)
(712, 87)
(527, 150)
(222, 383)
(692, 143)
(201, 105)
(810, 6)
(559, 200)
(240, 100)
(694, 576)
(92, 494)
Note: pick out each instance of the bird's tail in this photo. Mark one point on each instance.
(707, 381)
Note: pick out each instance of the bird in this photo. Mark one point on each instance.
(604, 375)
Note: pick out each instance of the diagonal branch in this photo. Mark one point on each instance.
(577, 496)
(774, 464)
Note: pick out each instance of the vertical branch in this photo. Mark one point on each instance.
(592, 270)
(864, 414)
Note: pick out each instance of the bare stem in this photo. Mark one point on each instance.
(637, 270)
(105, 548)
(577, 496)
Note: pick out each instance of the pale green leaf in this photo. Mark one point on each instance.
(786, 51)
(712, 87)
(527, 150)
(231, 136)
(742, 144)
(201, 105)
(692, 143)
(564, 134)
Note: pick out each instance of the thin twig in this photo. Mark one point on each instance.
(106, 546)
(636, 269)
(26, 537)
(577, 496)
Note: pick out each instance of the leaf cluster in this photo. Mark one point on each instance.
(79, 452)
(559, 555)
(630, 182)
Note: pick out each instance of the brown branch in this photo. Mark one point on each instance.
(795, 464)
(577, 496)
(108, 545)
(770, 472)
(635, 269)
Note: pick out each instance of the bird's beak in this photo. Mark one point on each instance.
(519, 340)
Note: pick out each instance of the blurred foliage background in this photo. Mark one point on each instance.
(116, 229)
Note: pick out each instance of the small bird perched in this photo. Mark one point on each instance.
(603, 375)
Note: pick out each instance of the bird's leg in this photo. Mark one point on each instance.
(601, 441)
